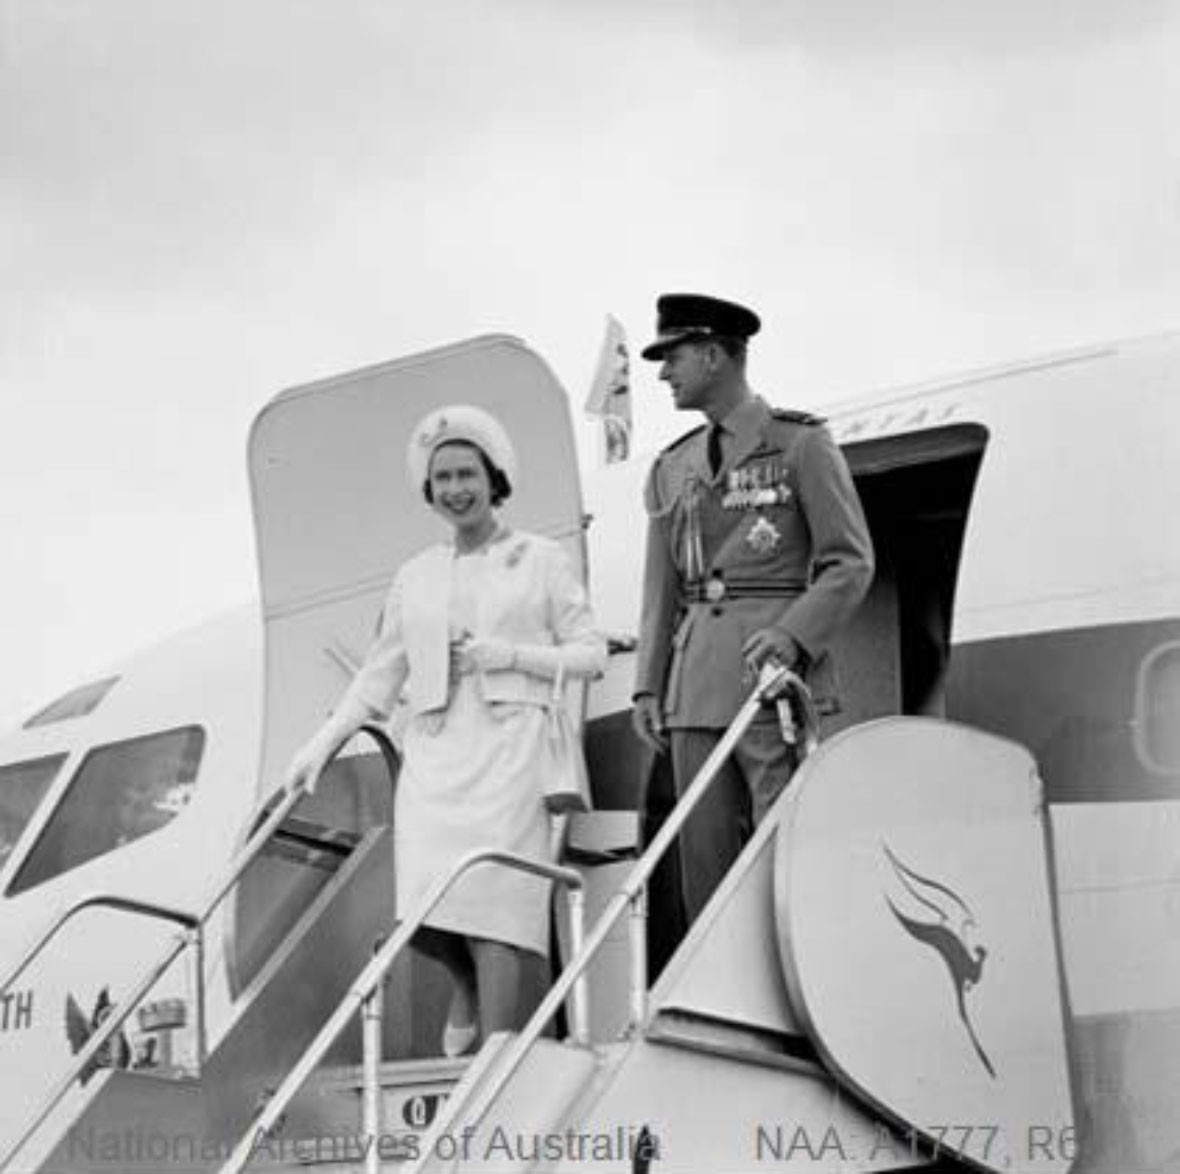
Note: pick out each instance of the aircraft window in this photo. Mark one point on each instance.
(1157, 710)
(22, 784)
(121, 792)
(76, 703)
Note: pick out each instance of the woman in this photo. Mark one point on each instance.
(481, 631)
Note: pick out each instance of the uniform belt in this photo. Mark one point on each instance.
(715, 589)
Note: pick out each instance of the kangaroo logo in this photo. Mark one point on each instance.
(946, 925)
(115, 1053)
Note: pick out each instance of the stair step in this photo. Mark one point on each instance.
(535, 1101)
(323, 1123)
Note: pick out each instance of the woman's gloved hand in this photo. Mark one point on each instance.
(305, 769)
(488, 655)
(481, 654)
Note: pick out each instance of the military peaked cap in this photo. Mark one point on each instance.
(682, 317)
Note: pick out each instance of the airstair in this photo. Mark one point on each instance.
(535, 1083)
(101, 1114)
(811, 1019)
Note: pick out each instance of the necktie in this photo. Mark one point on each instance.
(714, 449)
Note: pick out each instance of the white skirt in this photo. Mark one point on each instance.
(475, 783)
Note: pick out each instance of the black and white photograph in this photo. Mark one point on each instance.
(591, 586)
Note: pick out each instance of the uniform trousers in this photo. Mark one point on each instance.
(746, 786)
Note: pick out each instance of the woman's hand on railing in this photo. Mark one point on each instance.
(303, 774)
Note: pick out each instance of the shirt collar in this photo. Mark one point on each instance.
(745, 421)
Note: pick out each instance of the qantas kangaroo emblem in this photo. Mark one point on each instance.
(115, 1053)
(945, 925)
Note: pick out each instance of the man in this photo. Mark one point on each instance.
(757, 547)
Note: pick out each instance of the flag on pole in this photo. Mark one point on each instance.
(610, 393)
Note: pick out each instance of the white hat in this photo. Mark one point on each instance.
(458, 422)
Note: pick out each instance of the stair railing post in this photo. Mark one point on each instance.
(196, 937)
(637, 937)
(372, 1019)
(579, 997)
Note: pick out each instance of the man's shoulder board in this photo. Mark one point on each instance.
(792, 416)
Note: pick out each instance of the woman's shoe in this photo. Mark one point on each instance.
(459, 1038)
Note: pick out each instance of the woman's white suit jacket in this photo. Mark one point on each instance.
(530, 597)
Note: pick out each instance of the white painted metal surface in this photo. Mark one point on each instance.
(918, 935)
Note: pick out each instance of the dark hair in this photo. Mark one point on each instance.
(501, 487)
(734, 347)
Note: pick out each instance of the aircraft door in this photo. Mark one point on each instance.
(335, 517)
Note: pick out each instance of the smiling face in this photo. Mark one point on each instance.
(461, 488)
(690, 370)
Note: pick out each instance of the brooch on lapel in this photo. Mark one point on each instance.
(763, 536)
(515, 553)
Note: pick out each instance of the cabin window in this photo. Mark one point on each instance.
(120, 793)
(1157, 710)
(22, 785)
(76, 703)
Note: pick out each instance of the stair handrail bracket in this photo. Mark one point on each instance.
(363, 989)
(777, 685)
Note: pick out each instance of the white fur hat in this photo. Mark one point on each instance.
(458, 422)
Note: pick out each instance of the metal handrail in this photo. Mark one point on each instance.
(193, 923)
(774, 684)
(368, 980)
(122, 904)
(133, 905)
(238, 866)
(94, 1044)
(123, 1009)
(271, 824)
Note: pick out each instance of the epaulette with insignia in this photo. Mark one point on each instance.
(681, 439)
(797, 417)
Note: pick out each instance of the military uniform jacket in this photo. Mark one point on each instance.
(776, 539)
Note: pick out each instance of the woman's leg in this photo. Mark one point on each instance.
(500, 971)
(451, 949)
(454, 953)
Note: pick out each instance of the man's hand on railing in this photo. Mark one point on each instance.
(792, 698)
(771, 644)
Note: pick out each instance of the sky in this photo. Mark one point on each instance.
(202, 203)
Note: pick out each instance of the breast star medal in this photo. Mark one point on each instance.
(763, 536)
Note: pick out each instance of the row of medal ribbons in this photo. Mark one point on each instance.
(756, 485)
